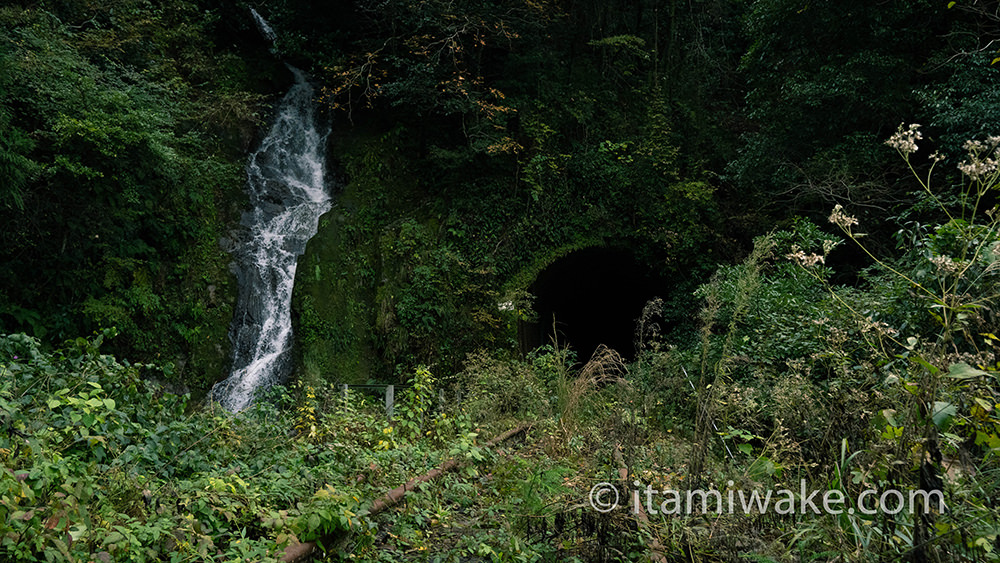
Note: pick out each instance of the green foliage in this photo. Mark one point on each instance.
(118, 188)
(500, 389)
(480, 142)
(823, 81)
(913, 347)
(17, 168)
(97, 461)
(961, 101)
(415, 405)
(81, 432)
(443, 305)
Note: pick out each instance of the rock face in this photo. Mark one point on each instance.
(335, 299)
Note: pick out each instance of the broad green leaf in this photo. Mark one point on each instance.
(890, 417)
(113, 537)
(762, 467)
(963, 370)
(942, 413)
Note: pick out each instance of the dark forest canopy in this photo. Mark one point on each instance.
(524, 129)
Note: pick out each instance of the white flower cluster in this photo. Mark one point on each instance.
(980, 165)
(870, 325)
(945, 265)
(905, 140)
(803, 259)
(841, 219)
(978, 169)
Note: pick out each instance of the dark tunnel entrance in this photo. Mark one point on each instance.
(596, 296)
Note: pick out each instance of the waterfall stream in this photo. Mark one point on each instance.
(286, 181)
(263, 26)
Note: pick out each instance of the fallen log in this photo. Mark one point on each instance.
(300, 550)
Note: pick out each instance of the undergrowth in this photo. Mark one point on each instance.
(794, 384)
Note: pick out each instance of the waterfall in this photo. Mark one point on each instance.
(263, 26)
(287, 187)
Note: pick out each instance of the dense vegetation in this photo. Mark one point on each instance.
(831, 318)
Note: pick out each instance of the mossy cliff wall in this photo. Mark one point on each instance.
(418, 263)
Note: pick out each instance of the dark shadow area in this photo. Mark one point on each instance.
(596, 295)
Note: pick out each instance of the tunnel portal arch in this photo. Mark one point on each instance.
(595, 296)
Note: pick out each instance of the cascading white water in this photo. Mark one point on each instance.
(263, 26)
(286, 179)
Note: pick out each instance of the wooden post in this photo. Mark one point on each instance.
(390, 392)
